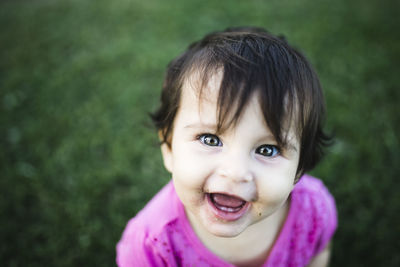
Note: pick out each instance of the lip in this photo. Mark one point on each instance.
(227, 215)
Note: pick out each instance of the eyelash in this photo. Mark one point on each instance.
(263, 150)
(271, 150)
(203, 139)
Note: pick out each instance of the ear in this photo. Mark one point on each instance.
(167, 157)
(299, 174)
(166, 152)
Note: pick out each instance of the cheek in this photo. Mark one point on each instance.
(190, 173)
(274, 190)
(276, 184)
(190, 168)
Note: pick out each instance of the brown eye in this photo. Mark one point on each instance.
(210, 140)
(268, 150)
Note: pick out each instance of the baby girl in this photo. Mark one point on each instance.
(240, 124)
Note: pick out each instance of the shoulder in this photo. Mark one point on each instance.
(162, 206)
(309, 226)
(147, 231)
(317, 209)
(312, 194)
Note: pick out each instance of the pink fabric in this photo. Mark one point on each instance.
(161, 235)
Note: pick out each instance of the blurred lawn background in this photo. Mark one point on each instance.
(79, 156)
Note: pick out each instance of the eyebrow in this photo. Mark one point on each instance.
(201, 125)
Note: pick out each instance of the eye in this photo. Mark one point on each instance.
(268, 150)
(210, 140)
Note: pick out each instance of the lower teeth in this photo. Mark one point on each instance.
(229, 209)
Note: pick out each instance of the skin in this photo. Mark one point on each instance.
(232, 163)
(322, 259)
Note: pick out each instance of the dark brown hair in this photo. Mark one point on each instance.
(252, 60)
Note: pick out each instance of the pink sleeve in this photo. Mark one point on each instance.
(135, 249)
(330, 220)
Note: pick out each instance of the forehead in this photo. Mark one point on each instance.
(201, 99)
(201, 87)
(203, 90)
(200, 96)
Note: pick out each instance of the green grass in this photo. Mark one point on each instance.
(78, 154)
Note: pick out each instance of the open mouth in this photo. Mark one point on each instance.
(227, 207)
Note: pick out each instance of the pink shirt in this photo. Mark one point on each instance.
(161, 235)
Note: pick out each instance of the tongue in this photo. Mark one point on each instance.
(227, 201)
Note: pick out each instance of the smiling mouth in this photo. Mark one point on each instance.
(227, 207)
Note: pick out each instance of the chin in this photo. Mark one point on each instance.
(224, 229)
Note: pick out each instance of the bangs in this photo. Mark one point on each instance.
(254, 64)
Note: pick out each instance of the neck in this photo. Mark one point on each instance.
(254, 243)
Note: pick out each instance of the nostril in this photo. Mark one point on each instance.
(222, 172)
(248, 177)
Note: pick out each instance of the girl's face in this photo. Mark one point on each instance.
(230, 181)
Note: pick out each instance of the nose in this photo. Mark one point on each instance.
(236, 167)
